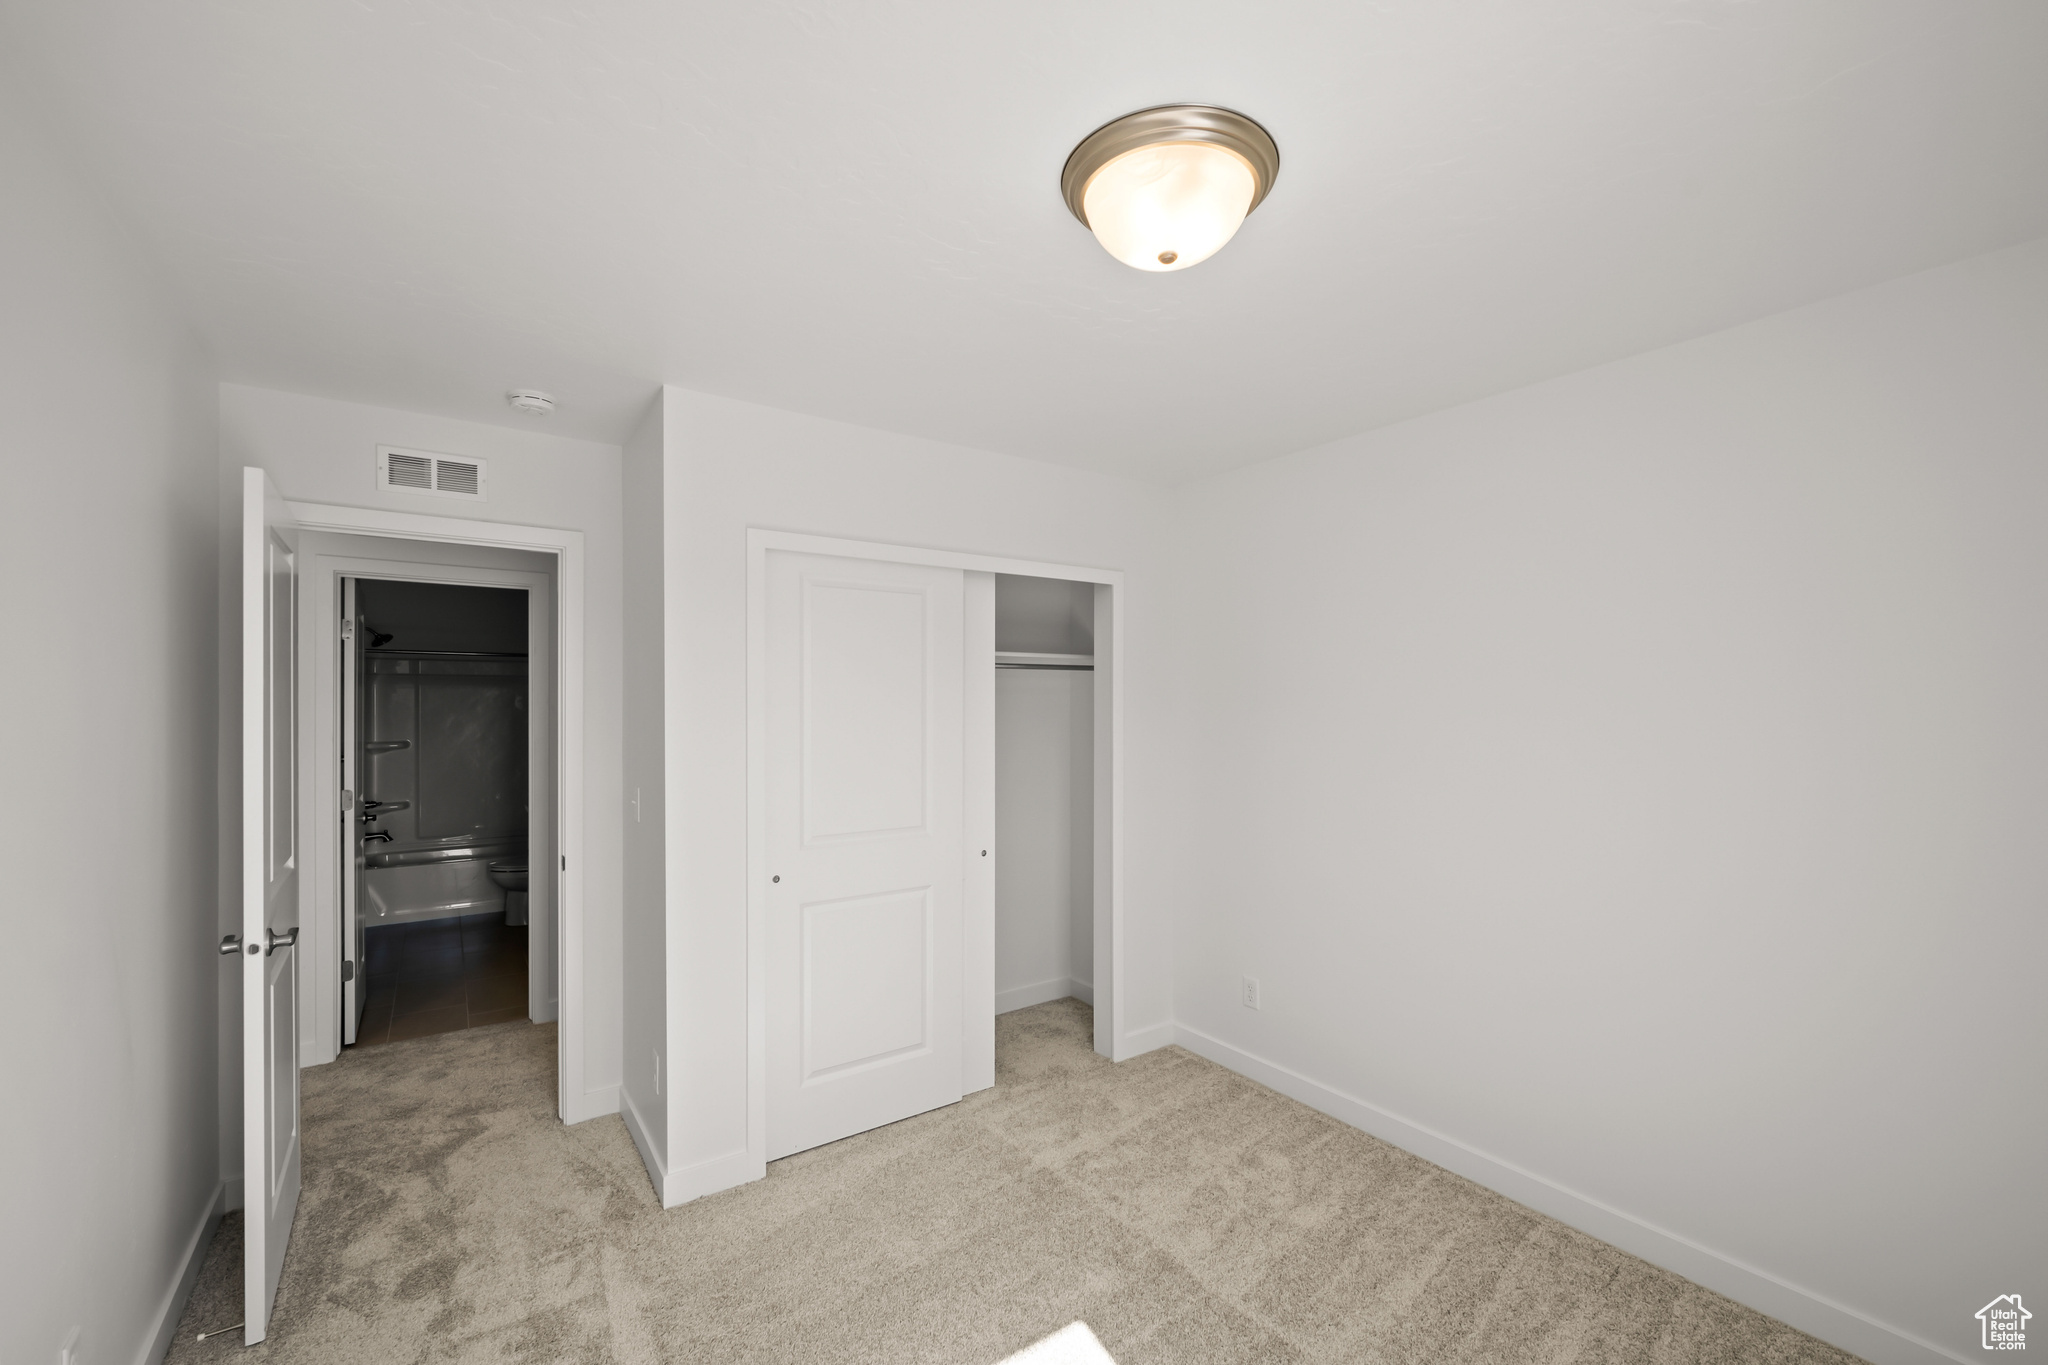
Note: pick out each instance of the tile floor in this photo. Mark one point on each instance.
(440, 975)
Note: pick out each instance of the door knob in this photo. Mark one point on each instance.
(231, 946)
(277, 940)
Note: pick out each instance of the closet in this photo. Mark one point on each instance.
(1044, 799)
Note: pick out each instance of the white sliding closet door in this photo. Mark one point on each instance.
(865, 707)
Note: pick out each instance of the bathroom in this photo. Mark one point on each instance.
(437, 719)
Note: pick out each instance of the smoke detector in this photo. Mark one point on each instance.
(532, 402)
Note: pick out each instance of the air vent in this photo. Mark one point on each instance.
(410, 471)
(457, 476)
(422, 471)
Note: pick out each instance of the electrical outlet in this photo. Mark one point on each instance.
(1251, 993)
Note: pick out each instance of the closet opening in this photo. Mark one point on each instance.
(436, 721)
(1045, 779)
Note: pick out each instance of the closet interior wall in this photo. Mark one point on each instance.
(1045, 740)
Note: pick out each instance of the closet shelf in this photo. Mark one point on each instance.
(1072, 662)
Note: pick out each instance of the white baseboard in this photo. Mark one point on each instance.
(684, 1183)
(591, 1104)
(1811, 1313)
(636, 1127)
(1059, 988)
(173, 1305)
(1139, 1041)
(710, 1176)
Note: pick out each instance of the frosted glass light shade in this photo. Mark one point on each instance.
(1169, 205)
(1166, 187)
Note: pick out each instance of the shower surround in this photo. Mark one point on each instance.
(445, 768)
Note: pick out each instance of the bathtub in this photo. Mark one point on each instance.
(433, 883)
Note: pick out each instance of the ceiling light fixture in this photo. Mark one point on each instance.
(1165, 188)
(532, 402)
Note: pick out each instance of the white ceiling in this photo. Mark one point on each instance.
(853, 209)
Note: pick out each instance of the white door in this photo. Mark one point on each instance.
(864, 794)
(270, 893)
(355, 989)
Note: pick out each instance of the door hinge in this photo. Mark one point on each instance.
(348, 799)
(348, 629)
(348, 971)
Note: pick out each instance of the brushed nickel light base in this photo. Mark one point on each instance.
(1171, 123)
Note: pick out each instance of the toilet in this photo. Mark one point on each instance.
(511, 875)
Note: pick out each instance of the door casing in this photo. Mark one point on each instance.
(576, 1097)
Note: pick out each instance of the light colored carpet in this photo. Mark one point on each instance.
(1190, 1216)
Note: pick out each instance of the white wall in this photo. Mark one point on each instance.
(1640, 780)
(646, 774)
(1080, 814)
(1044, 853)
(1044, 615)
(731, 466)
(322, 450)
(107, 435)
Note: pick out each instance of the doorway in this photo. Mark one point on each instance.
(436, 709)
(431, 751)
